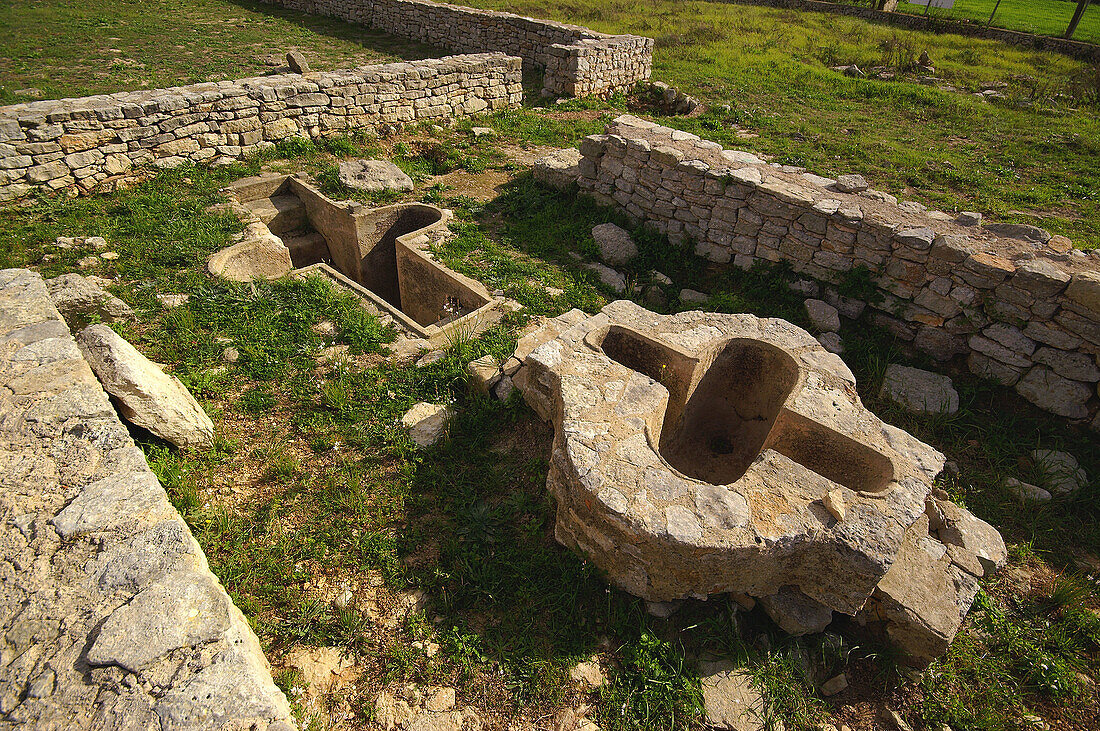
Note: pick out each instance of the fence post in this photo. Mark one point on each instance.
(1081, 5)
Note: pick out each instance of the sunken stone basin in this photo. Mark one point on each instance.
(700, 453)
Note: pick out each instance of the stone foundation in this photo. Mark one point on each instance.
(1021, 306)
(109, 613)
(65, 142)
(576, 60)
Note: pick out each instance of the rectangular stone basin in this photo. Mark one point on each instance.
(724, 411)
(379, 254)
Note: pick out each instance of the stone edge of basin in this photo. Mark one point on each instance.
(115, 612)
(632, 544)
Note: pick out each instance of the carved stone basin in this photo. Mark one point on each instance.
(701, 453)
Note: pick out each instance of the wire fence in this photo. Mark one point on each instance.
(1044, 17)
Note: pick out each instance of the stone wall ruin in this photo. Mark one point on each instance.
(1021, 306)
(109, 614)
(576, 61)
(60, 143)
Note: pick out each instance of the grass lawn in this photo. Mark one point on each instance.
(72, 48)
(1047, 17)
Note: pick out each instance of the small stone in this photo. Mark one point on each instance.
(969, 218)
(319, 666)
(430, 358)
(1026, 492)
(1061, 473)
(835, 685)
(297, 62)
(96, 242)
(427, 422)
(503, 389)
(231, 355)
(77, 298)
(831, 342)
(324, 328)
(589, 673)
(796, 613)
(693, 296)
(616, 246)
(373, 176)
(729, 698)
(109, 255)
(612, 279)
(896, 720)
(663, 610)
(441, 700)
(919, 391)
(823, 316)
(660, 278)
(171, 301)
(332, 354)
(484, 372)
(834, 503)
(479, 132)
(851, 184)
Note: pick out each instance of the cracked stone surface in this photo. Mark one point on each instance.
(109, 615)
(702, 453)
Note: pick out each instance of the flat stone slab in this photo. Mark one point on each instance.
(373, 176)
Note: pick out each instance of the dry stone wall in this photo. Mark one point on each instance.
(1022, 307)
(65, 142)
(109, 615)
(577, 61)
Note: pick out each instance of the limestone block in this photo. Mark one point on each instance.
(373, 176)
(427, 423)
(919, 391)
(616, 246)
(146, 395)
(77, 298)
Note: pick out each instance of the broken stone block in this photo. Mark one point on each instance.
(297, 62)
(834, 685)
(851, 184)
(146, 395)
(503, 388)
(693, 296)
(261, 255)
(484, 372)
(373, 176)
(616, 246)
(919, 391)
(1051, 392)
(796, 613)
(588, 673)
(823, 316)
(427, 423)
(559, 169)
(78, 299)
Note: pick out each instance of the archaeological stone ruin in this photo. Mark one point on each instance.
(701, 454)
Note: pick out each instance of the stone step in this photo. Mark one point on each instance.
(281, 213)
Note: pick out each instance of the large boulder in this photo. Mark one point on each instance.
(79, 299)
(146, 395)
(373, 176)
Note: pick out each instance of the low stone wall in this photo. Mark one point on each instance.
(1068, 47)
(577, 61)
(64, 142)
(109, 615)
(1022, 306)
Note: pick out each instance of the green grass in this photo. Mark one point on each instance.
(72, 48)
(1046, 17)
(1028, 158)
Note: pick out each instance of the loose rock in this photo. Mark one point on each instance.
(427, 422)
(617, 248)
(78, 298)
(146, 395)
(823, 316)
(729, 698)
(1026, 492)
(1061, 473)
(373, 176)
(919, 391)
(297, 62)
